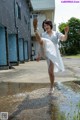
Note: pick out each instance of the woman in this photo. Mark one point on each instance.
(49, 48)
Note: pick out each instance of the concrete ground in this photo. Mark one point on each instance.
(36, 72)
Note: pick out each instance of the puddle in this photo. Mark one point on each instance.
(32, 102)
(16, 88)
(69, 109)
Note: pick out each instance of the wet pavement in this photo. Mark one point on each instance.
(24, 92)
(33, 102)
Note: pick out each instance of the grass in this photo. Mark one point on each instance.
(73, 56)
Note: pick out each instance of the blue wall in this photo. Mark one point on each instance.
(12, 48)
(21, 50)
(3, 58)
(26, 50)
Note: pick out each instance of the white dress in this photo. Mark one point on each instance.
(50, 50)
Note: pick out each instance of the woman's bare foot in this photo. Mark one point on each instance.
(51, 90)
(35, 23)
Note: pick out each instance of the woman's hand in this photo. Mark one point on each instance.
(66, 29)
(64, 37)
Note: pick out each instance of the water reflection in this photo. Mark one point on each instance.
(15, 88)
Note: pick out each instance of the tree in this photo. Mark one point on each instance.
(72, 45)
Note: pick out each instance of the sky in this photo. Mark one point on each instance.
(64, 11)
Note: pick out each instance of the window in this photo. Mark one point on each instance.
(18, 11)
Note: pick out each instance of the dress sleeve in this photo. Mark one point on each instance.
(43, 34)
(59, 34)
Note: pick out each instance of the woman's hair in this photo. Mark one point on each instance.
(48, 22)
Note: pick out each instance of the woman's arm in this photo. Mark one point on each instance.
(64, 37)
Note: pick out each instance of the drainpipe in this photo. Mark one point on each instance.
(15, 14)
(23, 51)
(16, 29)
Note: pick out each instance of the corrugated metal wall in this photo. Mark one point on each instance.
(17, 30)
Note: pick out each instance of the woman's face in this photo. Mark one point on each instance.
(47, 27)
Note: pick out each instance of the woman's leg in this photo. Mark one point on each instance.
(38, 38)
(51, 74)
(37, 35)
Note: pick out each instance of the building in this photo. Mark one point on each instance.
(15, 31)
(42, 9)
